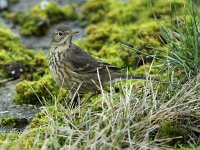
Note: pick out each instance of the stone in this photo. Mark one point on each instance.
(14, 69)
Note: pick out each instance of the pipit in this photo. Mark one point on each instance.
(74, 69)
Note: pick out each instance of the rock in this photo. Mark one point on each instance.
(3, 4)
(14, 69)
(21, 114)
(43, 27)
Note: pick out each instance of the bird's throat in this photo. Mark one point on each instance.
(63, 45)
(68, 42)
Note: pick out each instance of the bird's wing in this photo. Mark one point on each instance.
(82, 62)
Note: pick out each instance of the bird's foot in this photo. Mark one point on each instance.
(74, 101)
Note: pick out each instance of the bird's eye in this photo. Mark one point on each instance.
(60, 33)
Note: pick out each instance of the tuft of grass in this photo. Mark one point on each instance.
(184, 39)
(131, 119)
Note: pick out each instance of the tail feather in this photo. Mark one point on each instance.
(121, 77)
(143, 78)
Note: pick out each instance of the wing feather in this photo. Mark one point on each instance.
(82, 62)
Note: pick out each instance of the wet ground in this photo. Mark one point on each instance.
(7, 108)
(7, 92)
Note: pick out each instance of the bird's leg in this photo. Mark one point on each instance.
(73, 99)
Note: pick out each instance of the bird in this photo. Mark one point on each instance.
(74, 69)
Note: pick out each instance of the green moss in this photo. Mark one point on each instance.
(15, 140)
(55, 13)
(41, 91)
(101, 34)
(95, 11)
(123, 14)
(161, 8)
(14, 122)
(152, 69)
(128, 12)
(27, 91)
(30, 23)
(131, 23)
(8, 139)
(37, 20)
(11, 50)
(172, 129)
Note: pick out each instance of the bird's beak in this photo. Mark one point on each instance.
(73, 32)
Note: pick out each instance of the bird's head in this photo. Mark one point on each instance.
(62, 34)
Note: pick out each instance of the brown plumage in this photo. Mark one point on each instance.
(73, 68)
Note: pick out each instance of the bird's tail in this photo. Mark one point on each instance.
(121, 77)
(142, 78)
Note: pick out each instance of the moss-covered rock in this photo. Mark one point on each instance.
(95, 11)
(11, 50)
(55, 13)
(101, 34)
(30, 23)
(13, 122)
(38, 20)
(33, 92)
(42, 91)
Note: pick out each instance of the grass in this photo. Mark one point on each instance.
(184, 39)
(124, 120)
